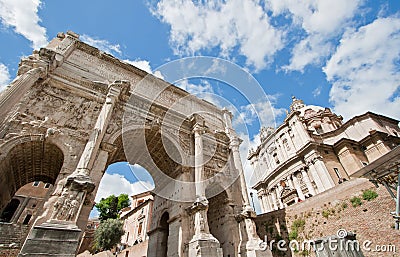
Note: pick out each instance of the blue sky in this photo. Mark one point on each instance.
(336, 53)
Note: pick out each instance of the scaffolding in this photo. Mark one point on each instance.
(386, 171)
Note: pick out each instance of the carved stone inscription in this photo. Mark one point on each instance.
(102, 68)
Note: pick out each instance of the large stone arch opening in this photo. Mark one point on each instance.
(146, 147)
(27, 162)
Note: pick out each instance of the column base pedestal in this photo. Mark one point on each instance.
(252, 246)
(205, 245)
(52, 239)
(255, 248)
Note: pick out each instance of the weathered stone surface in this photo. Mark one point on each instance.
(74, 110)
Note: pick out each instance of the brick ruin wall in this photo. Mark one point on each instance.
(324, 214)
(12, 237)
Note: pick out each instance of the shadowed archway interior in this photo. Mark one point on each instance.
(28, 162)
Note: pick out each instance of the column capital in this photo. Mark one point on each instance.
(235, 141)
(119, 89)
(246, 214)
(199, 205)
(199, 129)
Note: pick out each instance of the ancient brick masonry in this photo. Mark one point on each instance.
(325, 214)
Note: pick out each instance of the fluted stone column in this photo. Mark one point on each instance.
(250, 244)
(323, 173)
(274, 199)
(317, 179)
(307, 181)
(278, 192)
(264, 201)
(297, 186)
(290, 181)
(263, 209)
(203, 243)
(271, 204)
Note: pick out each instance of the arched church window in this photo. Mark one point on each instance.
(275, 155)
(337, 173)
(286, 144)
(319, 129)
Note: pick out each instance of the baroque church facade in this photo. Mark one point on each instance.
(313, 151)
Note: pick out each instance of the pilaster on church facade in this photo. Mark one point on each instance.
(313, 150)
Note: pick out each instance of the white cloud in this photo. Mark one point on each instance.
(227, 25)
(102, 44)
(364, 71)
(22, 16)
(145, 65)
(203, 90)
(263, 111)
(4, 76)
(116, 184)
(317, 91)
(320, 20)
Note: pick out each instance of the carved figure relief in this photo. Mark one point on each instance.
(66, 206)
(59, 108)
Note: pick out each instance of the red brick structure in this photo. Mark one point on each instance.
(326, 213)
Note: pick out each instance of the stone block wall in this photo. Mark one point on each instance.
(12, 237)
(326, 213)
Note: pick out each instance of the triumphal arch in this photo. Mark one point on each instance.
(74, 110)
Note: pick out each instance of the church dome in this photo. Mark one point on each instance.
(305, 110)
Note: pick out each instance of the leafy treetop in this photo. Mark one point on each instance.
(109, 207)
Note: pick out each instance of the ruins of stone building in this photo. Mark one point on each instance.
(74, 110)
(137, 219)
(17, 217)
(313, 151)
(87, 239)
(26, 204)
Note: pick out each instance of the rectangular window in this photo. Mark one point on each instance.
(337, 172)
(36, 183)
(140, 228)
(27, 219)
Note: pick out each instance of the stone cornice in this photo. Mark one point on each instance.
(354, 120)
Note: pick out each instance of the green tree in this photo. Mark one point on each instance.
(108, 234)
(109, 207)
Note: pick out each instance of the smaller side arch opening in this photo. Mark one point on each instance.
(164, 230)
